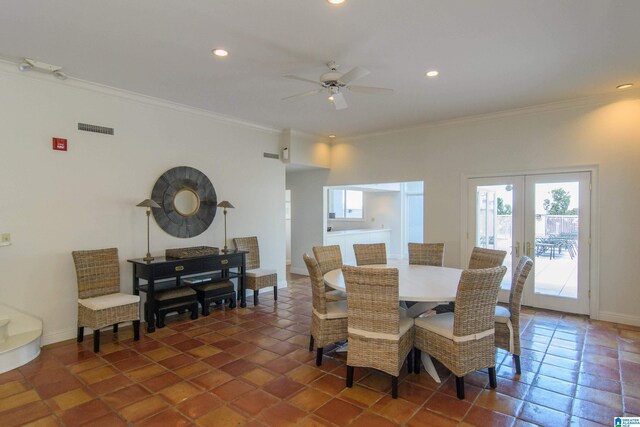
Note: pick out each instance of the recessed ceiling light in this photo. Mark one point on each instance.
(624, 86)
(336, 1)
(432, 73)
(220, 52)
(332, 136)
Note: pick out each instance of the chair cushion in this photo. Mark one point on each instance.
(175, 293)
(109, 301)
(502, 314)
(260, 272)
(336, 309)
(215, 287)
(405, 323)
(441, 324)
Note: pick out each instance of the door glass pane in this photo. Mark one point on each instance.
(556, 238)
(494, 228)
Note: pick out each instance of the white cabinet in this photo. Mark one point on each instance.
(347, 238)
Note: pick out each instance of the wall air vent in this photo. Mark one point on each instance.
(95, 129)
(271, 156)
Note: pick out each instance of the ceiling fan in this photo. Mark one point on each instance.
(333, 83)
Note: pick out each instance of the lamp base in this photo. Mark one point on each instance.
(148, 258)
(225, 249)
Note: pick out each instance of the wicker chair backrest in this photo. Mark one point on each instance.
(520, 275)
(97, 272)
(476, 300)
(328, 257)
(372, 299)
(317, 284)
(250, 244)
(486, 258)
(370, 253)
(426, 254)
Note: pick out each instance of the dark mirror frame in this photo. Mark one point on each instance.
(164, 192)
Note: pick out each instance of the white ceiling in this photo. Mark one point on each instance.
(493, 55)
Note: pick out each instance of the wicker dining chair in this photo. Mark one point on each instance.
(370, 253)
(508, 318)
(330, 258)
(378, 337)
(100, 302)
(256, 278)
(329, 318)
(464, 341)
(486, 258)
(426, 254)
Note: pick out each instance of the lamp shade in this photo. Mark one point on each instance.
(148, 203)
(225, 204)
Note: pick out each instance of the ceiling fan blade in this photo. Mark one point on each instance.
(354, 74)
(302, 79)
(339, 101)
(369, 89)
(300, 95)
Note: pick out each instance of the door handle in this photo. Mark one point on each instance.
(529, 249)
(517, 249)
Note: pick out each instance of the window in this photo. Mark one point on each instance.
(346, 204)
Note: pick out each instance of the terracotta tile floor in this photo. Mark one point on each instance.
(252, 367)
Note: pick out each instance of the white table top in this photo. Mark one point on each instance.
(421, 283)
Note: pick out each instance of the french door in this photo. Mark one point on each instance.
(547, 218)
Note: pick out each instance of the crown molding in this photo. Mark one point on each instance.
(594, 100)
(10, 69)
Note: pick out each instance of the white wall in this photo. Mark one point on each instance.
(599, 131)
(55, 202)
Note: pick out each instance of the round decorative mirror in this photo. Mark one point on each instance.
(187, 202)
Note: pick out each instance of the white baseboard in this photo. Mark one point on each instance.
(625, 319)
(62, 335)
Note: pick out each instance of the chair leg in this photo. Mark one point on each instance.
(349, 376)
(493, 382)
(319, 356)
(255, 297)
(80, 333)
(232, 300)
(311, 342)
(460, 387)
(115, 328)
(275, 293)
(516, 359)
(410, 362)
(394, 387)
(96, 340)
(136, 330)
(416, 360)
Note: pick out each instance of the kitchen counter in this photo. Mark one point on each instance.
(347, 238)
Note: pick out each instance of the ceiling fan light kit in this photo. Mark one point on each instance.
(334, 82)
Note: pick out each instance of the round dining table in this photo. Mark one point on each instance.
(416, 283)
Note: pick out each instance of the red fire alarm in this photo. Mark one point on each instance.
(60, 144)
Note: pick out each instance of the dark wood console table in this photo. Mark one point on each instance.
(217, 266)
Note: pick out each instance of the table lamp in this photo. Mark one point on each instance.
(225, 205)
(148, 203)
